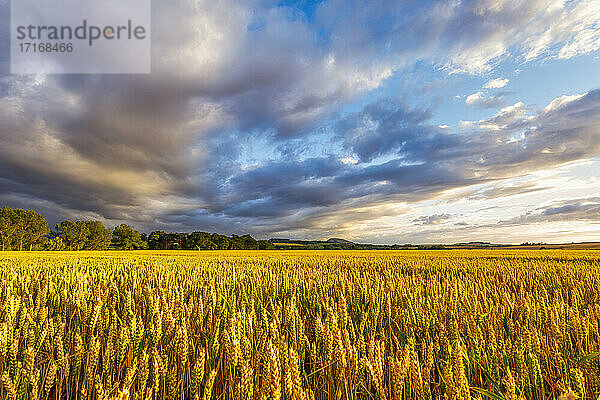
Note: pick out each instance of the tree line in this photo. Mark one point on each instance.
(28, 230)
(159, 240)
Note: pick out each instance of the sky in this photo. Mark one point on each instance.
(375, 121)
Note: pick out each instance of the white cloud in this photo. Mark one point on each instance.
(506, 117)
(496, 83)
(524, 30)
(584, 42)
(466, 124)
(474, 98)
(573, 23)
(481, 100)
(562, 101)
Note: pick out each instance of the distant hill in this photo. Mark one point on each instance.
(343, 244)
(337, 240)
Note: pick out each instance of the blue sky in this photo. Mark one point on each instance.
(376, 121)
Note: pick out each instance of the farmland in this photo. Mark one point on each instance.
(502, 324)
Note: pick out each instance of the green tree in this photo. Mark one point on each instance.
(221, 242)
(74, 234)
(98, 237)
(127, 238)
(30, 227)
(7, 227)
(249, 243)
(175, 241)
(265, 245)
(157, 240)
(53, 244)
(198, 241)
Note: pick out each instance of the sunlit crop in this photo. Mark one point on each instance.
(300, 325)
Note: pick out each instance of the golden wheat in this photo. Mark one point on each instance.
(300, 325)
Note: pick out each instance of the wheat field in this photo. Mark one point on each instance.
(300, 325)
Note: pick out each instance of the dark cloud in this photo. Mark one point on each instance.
(569, 210)
(424, 165)
(434, 219)
(385, 126)
(435, 161)
(300, 190)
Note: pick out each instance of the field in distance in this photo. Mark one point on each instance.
(448, 324)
